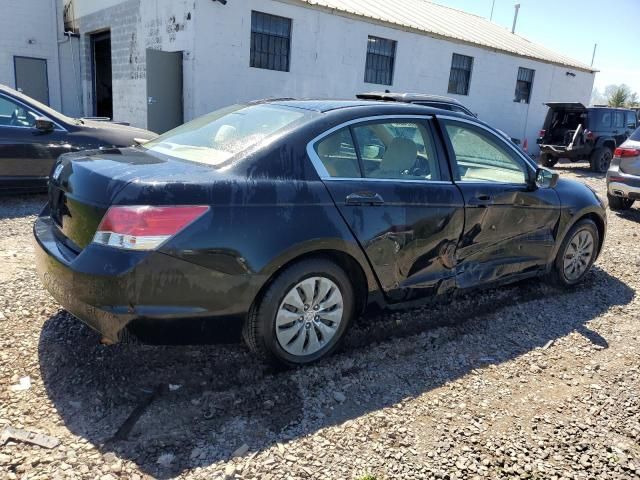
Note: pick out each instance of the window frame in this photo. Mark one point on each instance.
(426, 120)
(529, 82)
(377, 73)
(529, 168)
(458, 70)
(253, 33)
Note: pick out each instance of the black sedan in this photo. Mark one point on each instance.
(295, 216)
(32, 136)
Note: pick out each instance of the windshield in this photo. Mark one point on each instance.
(215, 138)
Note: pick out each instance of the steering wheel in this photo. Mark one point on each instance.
(14, 118)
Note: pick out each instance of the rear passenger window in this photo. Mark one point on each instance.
(618, 120)
(604, 120)
(632, 120)
(338, 154)
(397, 151)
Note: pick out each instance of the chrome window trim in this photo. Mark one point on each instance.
(324, 174)
(59, 128)
(527, 160)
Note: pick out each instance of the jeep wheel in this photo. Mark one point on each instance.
(547, 160)
(601, 159)
(619, 203)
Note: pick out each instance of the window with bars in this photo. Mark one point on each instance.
(270, 41)
(460, 76)
(524, 84)
(381, 55)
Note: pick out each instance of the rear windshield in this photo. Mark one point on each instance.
(635, 135)
(214, 138)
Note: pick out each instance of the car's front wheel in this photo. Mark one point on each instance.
(619, 203)
(577, 253)
(303, 315)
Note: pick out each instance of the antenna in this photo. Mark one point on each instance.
(593, 57)
(515, 18)
(492, 7)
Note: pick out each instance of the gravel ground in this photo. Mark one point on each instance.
(521, 382)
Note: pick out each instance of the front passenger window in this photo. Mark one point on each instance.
(481, 157)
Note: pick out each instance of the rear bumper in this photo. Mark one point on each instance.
(620, 184)
(108, 288)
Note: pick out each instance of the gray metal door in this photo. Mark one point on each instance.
(164, 90)
(31, 77)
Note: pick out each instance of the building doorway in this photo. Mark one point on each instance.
(102, 79)
(164, 90)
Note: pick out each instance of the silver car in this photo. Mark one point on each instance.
(623, 176)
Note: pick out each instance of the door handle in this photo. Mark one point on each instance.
(481, 200)
(364, 198)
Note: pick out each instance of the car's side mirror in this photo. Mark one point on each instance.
(44, 124)
(546, 178)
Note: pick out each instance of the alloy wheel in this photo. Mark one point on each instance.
(309, 316)
(605, 160)
(578, 254)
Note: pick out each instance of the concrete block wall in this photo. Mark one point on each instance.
(31, 28)
(135, 25)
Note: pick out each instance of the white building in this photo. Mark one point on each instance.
(36, 56)
(238, 50)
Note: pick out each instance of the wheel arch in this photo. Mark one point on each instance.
(601, 225)
(607, 142)
(365, 284)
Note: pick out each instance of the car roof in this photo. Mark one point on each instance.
(383, 107)
(407, 97)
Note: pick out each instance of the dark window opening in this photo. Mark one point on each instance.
(460, 76)
(381, 55)
(270, 41)
(102, 81)
(524, 85)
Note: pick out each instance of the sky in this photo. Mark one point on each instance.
(572, 27)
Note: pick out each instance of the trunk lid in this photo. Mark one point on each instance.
(83, 185)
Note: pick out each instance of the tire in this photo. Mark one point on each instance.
(548, 161)
(573, 242)
(619, 203)
(600, 159)
(272, 322)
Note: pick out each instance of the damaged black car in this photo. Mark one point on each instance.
(294, 217)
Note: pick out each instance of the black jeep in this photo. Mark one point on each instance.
(576, 132)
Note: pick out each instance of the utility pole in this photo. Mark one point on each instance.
(492, 7)
(593, 57)
(515, 18)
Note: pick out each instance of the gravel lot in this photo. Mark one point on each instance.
(525, 381)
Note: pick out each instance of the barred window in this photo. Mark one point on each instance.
(524, 84)
(460, 76)
(381, 55)
(270, 41)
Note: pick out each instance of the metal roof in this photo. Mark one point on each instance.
(445, 22)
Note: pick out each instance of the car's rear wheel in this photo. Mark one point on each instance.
(547, 160)
(601, 159)
(303, 315)
(619, 203)
(577, 253)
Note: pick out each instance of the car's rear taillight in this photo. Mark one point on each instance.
(626, 152)
(144, 227)
(542, 133)
(589, 134)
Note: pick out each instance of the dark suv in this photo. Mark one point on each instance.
(576, 132)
